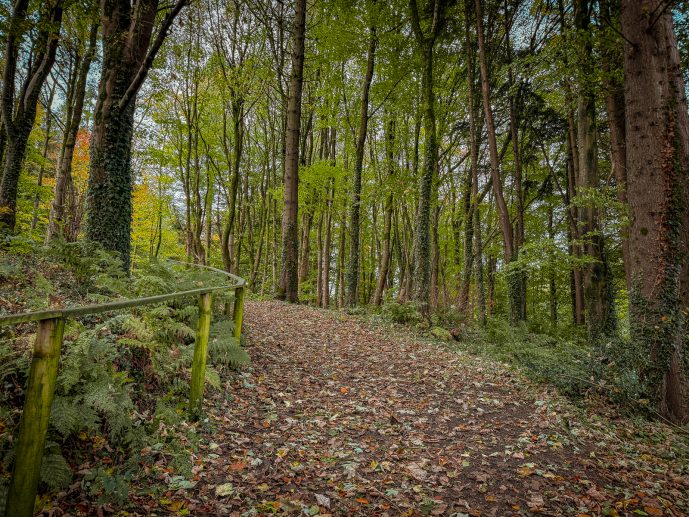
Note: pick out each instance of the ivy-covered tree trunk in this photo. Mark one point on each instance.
(289, 281)
(657, 128)
(598, 293)
(422, 235)
(426, 39)
(355, 227)
(127, 35)
(325, 282)
(18, 117)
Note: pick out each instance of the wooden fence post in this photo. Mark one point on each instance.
(198, 368)
(238, 311)
(35, 416)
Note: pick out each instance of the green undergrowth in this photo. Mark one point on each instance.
(120, 407)
(560, 356)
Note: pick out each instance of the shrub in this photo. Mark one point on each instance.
(402, 313)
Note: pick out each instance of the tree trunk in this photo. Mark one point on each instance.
(422, 235)
(513, 280)
(325, 283)
(289, 281)
(657, 128)
(387, 224)
(552, 291)
(470, 188)
(44, 156)
(355, 227)
(126, 61)
(598, 297)
(612, 64)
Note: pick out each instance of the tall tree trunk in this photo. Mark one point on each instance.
(339, 282)
(386, 257)
(469, 188)
(289, 281)
(612, 64)
(305, 246)
(480, 286)
(44, 155)
(552, 291)
(325, 283)
(514, 117)
(426, 38)
(657, 129)
(354, 226)
(598, 297)
(492, 264)
(435, 257)
(422, 235)
(513, 281)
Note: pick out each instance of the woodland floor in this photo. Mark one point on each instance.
(338, 417)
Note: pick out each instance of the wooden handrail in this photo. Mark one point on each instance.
(26, 317)
(33, 426)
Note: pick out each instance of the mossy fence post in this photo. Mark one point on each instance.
(33, 426)
(35, 416)
(238, 311)
(198, 368)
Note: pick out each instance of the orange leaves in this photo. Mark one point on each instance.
(526, 470)
(238, 465)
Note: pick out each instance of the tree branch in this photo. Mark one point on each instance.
(152, 52)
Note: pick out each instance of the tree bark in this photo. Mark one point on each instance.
(385, 259)
(289, 281)
(470, 188)
(612, 64)
(422, 235)
(46, 146)
(352, 295)
(657, 154)
(598, 296)
(513, 281)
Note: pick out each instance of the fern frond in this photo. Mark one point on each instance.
(55, 471)
(222, 328)
(213, 377)
(226, 351)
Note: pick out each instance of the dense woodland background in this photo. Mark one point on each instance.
(470, 162)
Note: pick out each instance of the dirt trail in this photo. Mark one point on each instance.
(335, 417)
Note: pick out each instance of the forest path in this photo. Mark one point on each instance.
(337, 417)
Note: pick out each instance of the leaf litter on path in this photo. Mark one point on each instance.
(338, 417)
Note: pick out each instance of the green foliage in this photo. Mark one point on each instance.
(91, 265)
(55, 471)
(114, 368)
(224, 349)
(107, 486)
(403, 313)
(564, 359)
